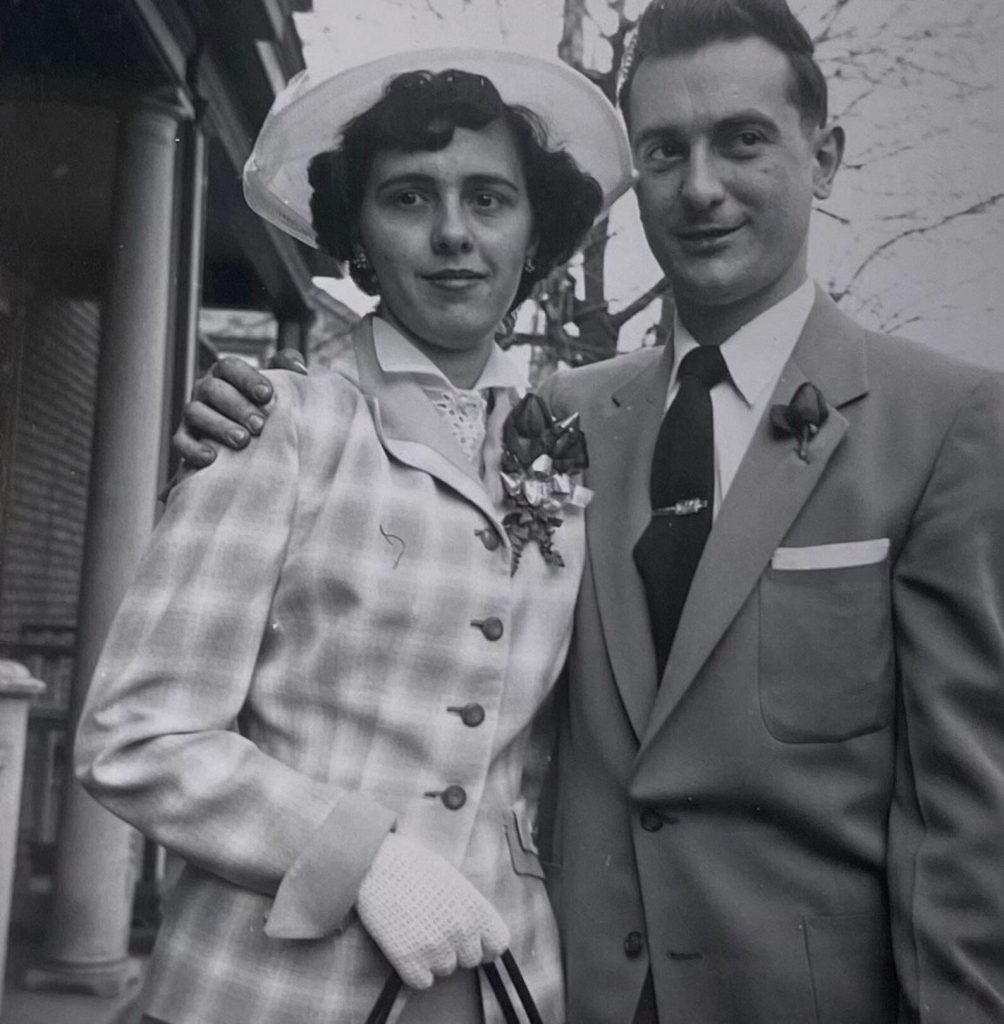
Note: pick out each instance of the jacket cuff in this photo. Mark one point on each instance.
(320, 888)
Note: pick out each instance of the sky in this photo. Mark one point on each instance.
(919, 90)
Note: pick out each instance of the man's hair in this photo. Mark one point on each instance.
(421, 110)
(682, 26)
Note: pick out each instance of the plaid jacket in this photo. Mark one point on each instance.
(285, 681)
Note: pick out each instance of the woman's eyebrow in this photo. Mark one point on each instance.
(405, 178)
(486, 179)
(477, 179)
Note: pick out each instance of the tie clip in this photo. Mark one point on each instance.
(686, 507)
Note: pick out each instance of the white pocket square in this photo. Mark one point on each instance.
(832, 556)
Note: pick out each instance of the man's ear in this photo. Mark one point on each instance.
(829, 151)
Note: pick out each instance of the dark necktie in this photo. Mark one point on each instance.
(683, 493)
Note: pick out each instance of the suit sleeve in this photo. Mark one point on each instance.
(946, 839)
(158, 743)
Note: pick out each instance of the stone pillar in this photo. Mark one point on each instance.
(87, 939)
(17, 688)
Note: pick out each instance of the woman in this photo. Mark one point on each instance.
(323, 689)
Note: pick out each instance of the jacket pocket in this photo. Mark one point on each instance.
(826, 655)
(522, 845)
(853, 976)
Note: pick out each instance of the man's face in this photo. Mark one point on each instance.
(728, 172)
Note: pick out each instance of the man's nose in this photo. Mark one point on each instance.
(702, 184)
(451, 231)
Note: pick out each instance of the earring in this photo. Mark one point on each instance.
(529, 265)
(360, 261)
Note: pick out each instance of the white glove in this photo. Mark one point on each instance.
(425, 916)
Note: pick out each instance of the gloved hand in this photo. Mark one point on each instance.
(425, 916)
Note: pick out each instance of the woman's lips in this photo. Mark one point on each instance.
(454, 279)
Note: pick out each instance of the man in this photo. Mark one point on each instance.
(781, 792)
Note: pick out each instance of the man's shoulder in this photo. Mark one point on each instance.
(598, 381)
(907, 365)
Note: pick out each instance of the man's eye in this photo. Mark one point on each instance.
(407, 197)
(745, 141)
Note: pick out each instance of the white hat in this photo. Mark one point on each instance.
(308, 117)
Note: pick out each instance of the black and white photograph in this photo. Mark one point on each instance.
(501, 512)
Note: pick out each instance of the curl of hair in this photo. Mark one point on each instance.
(421, 110)
(681, 26)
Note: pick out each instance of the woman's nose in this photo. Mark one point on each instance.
(451, 231)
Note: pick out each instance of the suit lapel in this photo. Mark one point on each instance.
(412, 431)
(769, 490)
(621, 447)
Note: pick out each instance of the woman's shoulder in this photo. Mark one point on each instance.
(325, 394)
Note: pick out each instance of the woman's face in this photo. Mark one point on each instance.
(447, 233)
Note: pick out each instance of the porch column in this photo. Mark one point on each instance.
(87, 940)
(17, 688)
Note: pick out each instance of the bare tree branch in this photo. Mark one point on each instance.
(970, 211)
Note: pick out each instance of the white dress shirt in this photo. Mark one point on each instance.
(465, 410)
(755, 356)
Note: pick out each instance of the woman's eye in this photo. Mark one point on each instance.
(662, 153)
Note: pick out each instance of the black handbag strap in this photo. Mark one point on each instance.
(519, 983)
(392, 986)
(385, 1001)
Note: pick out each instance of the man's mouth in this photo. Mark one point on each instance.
(706, 235)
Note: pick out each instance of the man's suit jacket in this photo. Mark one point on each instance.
(286, 678)
(804, 822)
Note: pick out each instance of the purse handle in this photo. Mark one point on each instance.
(392, 986)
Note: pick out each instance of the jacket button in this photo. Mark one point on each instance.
(453, 797)
(489, 538)
(472, 715)
(491, 628)
(651, 820)
(633, 945)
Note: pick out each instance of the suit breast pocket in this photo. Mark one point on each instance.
(826, 654)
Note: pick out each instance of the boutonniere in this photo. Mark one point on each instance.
(802, 418)
(541, 460)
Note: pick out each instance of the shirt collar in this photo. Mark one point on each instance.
(397, 355)
(757, 352)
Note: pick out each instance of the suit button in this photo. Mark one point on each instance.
(651, 820)
(471, 715)
(491, 628)
(633, 945)
(489, 538)
(453, 797)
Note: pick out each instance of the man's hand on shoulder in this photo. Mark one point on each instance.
(228, 406)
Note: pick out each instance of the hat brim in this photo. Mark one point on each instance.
(309, 115)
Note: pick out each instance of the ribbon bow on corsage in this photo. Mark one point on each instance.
(541, 460)
(802, 418)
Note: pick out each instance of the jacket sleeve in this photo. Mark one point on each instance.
(158, 743)
(946, 831)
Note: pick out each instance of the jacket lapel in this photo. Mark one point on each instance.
(412, 431)
(769, 490)
(621, 449)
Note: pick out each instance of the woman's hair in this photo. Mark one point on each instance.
(420, 110)
(671, 27)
